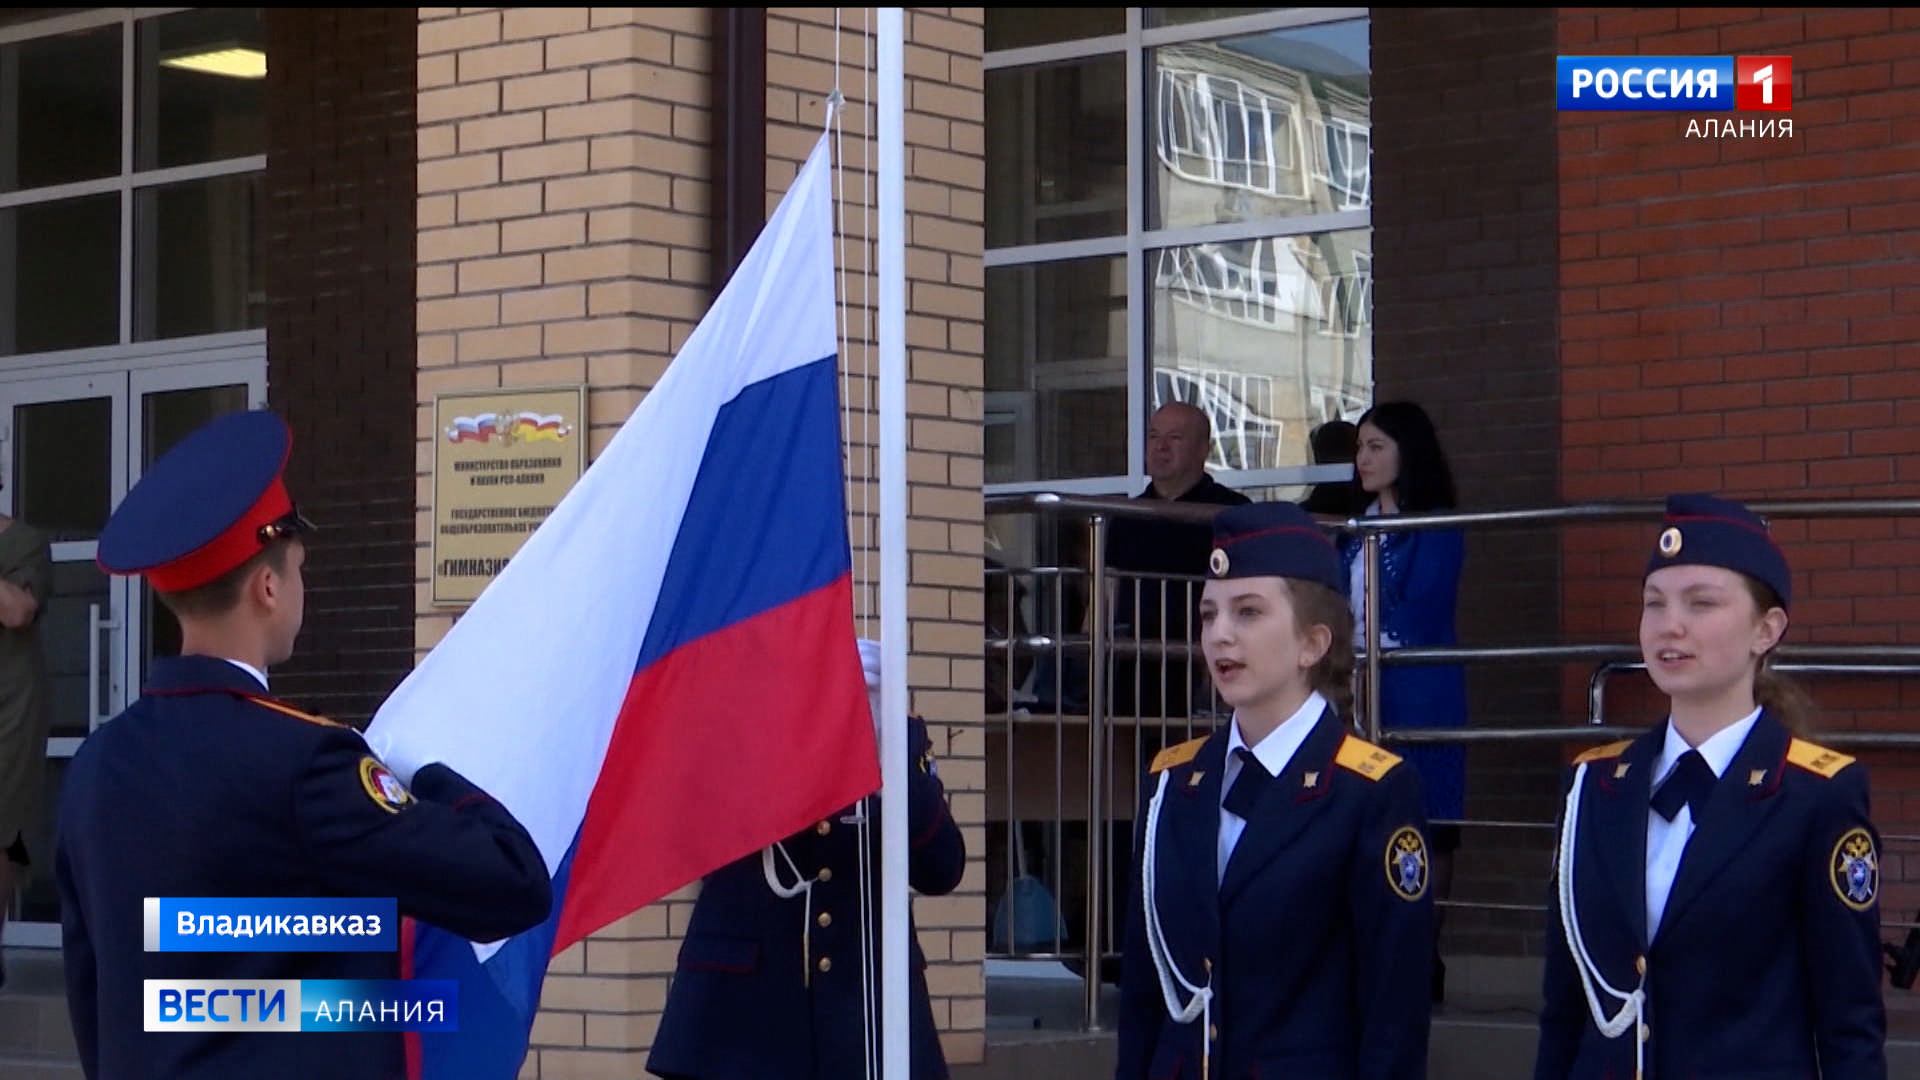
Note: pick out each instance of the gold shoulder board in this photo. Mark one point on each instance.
(1361, 756)
(1817, 759)
(1601, 753)
(288, 710)
(1177, 755)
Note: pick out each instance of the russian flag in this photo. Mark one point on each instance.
(684, 618)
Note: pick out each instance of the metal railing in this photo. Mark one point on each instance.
(1372, 529)
(1101, 647)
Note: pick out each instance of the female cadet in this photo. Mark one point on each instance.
(770, 982)
(1714, 911)
(1279, 922)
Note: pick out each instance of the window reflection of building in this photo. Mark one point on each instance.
(1274, 333)
(1214, 130)
(1265, 126)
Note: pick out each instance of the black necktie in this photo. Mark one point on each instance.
(1244, 795)
(1689, 784)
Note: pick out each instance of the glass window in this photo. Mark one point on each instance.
(1270, 337)
(78, 585)
(1182, 16)
(1056, 370)
(1263, 126)
(200, 88)
(1020, 27)
(63, 478)
(1057, 153)
(60, 109)
(1250, 140)
(201, 267)
(60, 274)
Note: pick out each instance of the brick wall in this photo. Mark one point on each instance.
(564, 203)
(1466, 323)
(338, 221)
(1741, 316)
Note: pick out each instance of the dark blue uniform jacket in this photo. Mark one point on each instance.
(1767, 961)
(1318, 941)
(206, 787)
(770, 987)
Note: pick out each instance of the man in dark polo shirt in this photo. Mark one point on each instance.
(1179, 438)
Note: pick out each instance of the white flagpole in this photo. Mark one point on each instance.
(890, 95)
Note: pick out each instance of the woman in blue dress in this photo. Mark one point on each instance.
(1401, 465)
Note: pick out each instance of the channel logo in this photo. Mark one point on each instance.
(1677, 83)
(301, 1005)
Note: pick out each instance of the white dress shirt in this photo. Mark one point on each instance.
(1667, 840)
(258, 675)
(1274, 753)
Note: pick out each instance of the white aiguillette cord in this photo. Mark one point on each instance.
(801, 885)
(1200, 1000)
(1632, 1005)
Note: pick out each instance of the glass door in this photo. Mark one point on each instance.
(63, 459)
(70, 447)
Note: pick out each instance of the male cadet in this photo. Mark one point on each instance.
(208, 787)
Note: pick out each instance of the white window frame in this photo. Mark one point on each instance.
(1139, 244)
(126, 353)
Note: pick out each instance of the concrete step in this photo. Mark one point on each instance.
(1459, 1048)
(33, 1009)
(1488, 1026)
(40, 1067)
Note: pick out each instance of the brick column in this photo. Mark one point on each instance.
(1465, 305)
(564, 186)
(337, 214)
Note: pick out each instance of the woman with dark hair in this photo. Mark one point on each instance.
(1335, 442)
(1715, 900)
(1401, 465)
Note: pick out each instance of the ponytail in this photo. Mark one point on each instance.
(1783, 698)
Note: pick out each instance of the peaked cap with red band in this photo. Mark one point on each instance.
(208, 505)
(1702, 530)
(1273, 539)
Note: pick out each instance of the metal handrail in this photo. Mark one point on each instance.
(1626, 511)
(1374, 526)
(1609, 659)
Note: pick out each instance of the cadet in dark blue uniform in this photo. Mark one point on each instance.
(769, 984)
(207, 786)
(1280, 923)
(1715, 909)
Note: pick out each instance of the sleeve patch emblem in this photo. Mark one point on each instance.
(384, 788)
(1856, 869)
(1407, 863)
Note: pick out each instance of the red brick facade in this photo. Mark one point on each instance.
(1743, 316)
